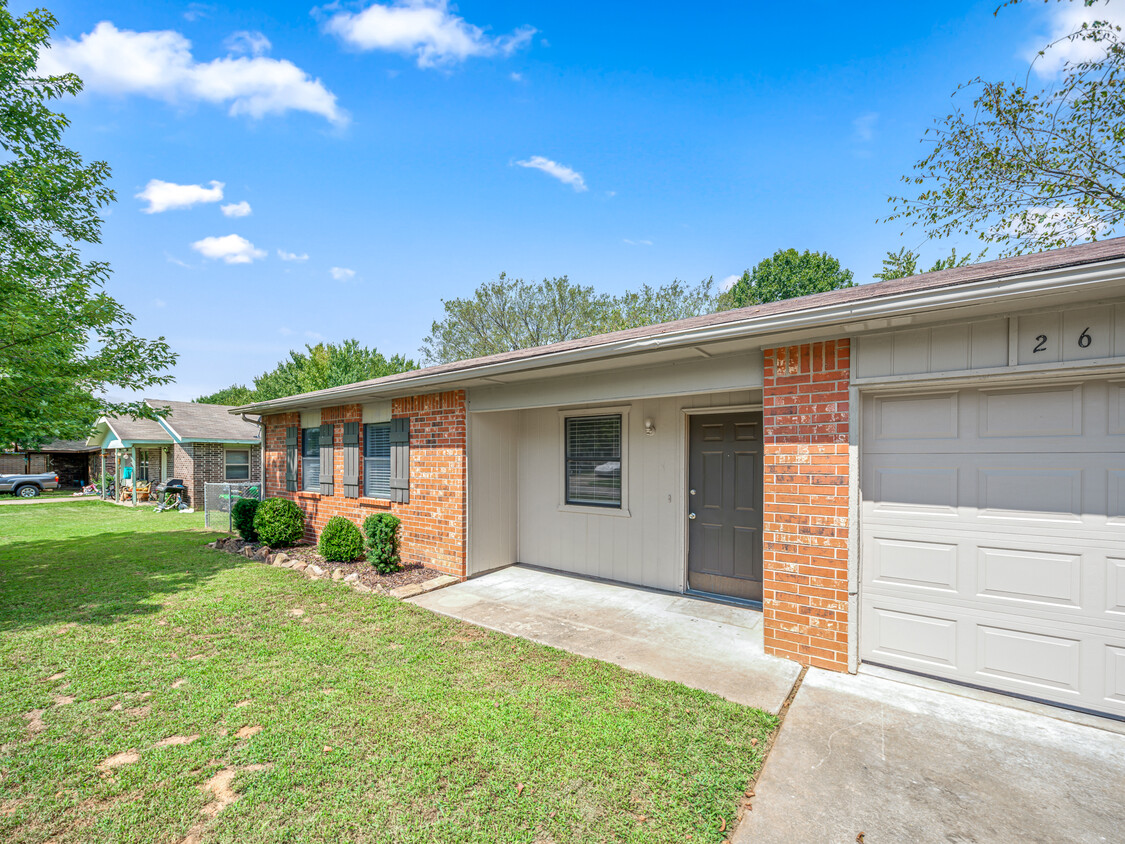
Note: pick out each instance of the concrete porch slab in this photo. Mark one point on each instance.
(708, 646)
(898, 762)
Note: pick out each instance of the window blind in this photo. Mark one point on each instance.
(310, 459)
(377, 460)
(593, 461)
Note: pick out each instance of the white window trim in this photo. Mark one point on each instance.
(249, 465)
(613, 512)
(301, 458)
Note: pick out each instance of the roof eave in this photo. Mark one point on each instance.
(907, 302)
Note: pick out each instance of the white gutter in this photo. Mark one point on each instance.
(957, 295)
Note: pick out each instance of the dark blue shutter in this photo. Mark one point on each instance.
(292, 435)
(400, 460)
(351, 459)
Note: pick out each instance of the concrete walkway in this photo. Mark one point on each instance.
(902, 763)
(714, 647)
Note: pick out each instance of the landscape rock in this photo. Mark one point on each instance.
(314, 571)
(408, 591)
(248, 552)
(352, 578)
(361, 587)
(337, 574)
(280, 558)
(298, 565)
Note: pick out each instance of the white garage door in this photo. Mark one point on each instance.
(993, 538)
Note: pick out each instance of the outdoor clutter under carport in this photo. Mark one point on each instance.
(926, 474)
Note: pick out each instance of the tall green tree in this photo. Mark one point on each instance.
(904, 263)
(510, 313)
(1031, 169)
(317, 368)
(787, 274)
(63, 339)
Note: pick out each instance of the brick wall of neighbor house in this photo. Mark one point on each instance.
(434, 522)
(805, 537)
(208, 466)
(181, 463)
(13, 464)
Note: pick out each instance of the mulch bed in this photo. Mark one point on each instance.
(411, 572)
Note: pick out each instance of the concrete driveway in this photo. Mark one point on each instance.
(901, 763)
(714, 647)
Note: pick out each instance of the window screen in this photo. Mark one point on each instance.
(310, 459)
(238, 465)
(593, 461)
(377, 460)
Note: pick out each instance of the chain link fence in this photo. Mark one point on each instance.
(218, 500)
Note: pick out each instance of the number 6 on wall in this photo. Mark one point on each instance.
(1084, 339)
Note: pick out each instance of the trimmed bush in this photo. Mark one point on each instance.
(340, 541)
(279, 522)
(381, 530)
(242, 518)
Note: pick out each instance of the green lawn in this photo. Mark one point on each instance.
(379, 722)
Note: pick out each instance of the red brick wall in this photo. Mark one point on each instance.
(434, 522)
(805, 537)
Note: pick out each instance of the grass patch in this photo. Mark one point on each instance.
(379, 721)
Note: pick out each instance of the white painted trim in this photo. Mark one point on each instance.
(1039, 372)
(249, 463)
(855, 420)
(623, 510)
(734, 408)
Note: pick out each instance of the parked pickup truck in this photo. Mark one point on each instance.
(28, 486)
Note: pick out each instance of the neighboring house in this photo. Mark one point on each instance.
(926, 473)
(200, 443)
(73, 461)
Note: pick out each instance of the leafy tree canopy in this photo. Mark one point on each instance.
(787, 275)
(1031, 169)
(317, 368)
(904, 263)
(63, 339)
(510, 313)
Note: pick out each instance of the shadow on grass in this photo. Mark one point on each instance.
(100, 579)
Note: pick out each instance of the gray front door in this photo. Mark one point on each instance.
(725, 505)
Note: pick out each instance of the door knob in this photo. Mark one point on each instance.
(691, 515)
(691, 492)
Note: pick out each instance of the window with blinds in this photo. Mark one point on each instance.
(310, 459)
(593, 461)
(377, 460)
(237, 465)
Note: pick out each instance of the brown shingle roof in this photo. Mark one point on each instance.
(1072, 256)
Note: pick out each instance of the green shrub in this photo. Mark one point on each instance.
(242, 518)
(279, 522)
(381, 530)
(340, 541)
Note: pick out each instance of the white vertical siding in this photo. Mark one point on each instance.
(493, 503)
(647, 546)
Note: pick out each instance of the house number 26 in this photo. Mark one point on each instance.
(1084, 341)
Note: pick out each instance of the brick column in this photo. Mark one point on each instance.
(805, 537)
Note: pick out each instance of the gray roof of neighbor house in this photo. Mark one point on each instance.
(185, 422)
(192, 421)
(806, 311)
(72, 446)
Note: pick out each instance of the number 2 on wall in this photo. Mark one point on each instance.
(1084, 341)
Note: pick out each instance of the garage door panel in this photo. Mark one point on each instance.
(914, 564)
(1022, 576)
(995, 557)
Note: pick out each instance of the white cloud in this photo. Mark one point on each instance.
(165, 196)
(159, 64)
(231, 248)
(172, 259)
(285, 331)
(864, 126)
(292, 256)
(1066, 18)
(637, 242)
(195, 11)
(564, 174)
(247, 43)
(728, 282)
(236, 209)
(516, 77)
(1064, 221)
(425, 29)
(158, 303)
(342, 273)
(314, 335)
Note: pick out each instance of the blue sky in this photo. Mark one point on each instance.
(414, 152)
